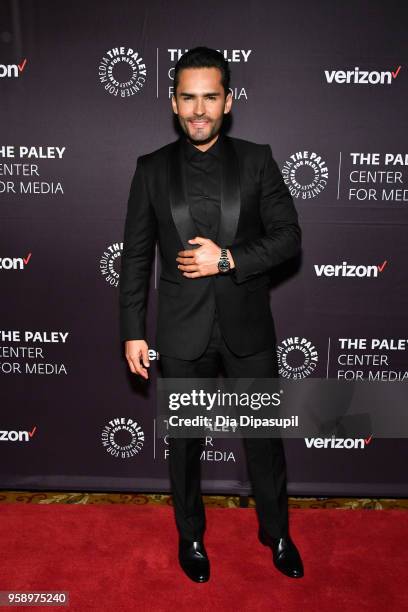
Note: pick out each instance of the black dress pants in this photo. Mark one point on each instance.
(265, 456)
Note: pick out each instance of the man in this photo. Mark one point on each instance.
(223, 218)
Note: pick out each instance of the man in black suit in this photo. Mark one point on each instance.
(223, 218)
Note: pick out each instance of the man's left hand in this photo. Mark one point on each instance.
(202, 261)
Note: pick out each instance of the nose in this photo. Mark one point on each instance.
(199, 107)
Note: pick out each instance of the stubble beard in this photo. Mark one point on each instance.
(197, 136)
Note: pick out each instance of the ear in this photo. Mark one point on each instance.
(174, 104)
(228, 103)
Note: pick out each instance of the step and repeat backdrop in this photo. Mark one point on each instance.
(84, 90)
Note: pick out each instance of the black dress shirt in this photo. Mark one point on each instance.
(202, 171)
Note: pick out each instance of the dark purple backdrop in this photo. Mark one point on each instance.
(289, 92)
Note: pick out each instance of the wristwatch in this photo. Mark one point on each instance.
(224, 264)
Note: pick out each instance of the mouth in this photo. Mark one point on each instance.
(198, 123)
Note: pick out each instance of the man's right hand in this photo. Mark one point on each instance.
(137, 357)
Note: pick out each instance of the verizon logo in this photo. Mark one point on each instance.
(350, 270)
(361, 77)
(12, 70)
(17, 436)
(338, 442)
(14, 263)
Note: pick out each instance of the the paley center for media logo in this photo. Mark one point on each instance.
(235, 56)
(122, 437)
(109, 263)
(297, 357)
(122, 72)
(305, 174)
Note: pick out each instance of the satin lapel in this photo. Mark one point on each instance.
(230, 194)
(180, 209)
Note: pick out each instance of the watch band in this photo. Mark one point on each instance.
(223, 263)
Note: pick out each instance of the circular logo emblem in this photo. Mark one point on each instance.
(122, 72)
(306, 174)
(297, 358)
(123, 438)
(109, 261)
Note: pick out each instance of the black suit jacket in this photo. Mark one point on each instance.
(258, 223)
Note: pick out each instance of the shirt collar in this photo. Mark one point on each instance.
(191, 152)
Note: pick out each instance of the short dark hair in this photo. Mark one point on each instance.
(203, 57)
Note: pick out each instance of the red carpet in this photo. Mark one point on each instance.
(124, 558)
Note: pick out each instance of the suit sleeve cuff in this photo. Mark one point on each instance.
(244, 267)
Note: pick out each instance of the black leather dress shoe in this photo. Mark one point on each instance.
(194, 560)
(286, 556)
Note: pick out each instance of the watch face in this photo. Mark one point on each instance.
(223, 265)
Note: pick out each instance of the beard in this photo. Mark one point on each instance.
(200, 135)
